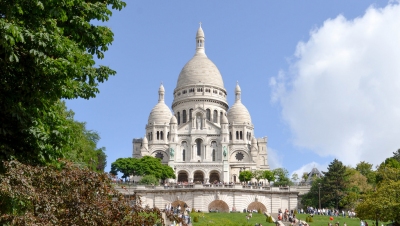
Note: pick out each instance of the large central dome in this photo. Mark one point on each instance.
(200, 70)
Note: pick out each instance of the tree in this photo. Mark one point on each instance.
(147, 165)
(396, 155)
(365, 169)
(357, 185)
(268, 175)
(66, 195)
(126, 166)
(46, 54)
(149, 180)
(295, 177)
(245, 175)
(382, 203)
(258, 175)
(334, 184)
(311, 197)
(283, 177)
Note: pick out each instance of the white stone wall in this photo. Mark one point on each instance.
(200, 198)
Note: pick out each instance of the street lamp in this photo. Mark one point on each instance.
(176, 176)
(319, 195)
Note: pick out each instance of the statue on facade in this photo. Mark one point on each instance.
(198, 120)
(171, 152)
(224, 151)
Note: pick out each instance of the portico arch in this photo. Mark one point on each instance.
(257, 206)
(214, 176)
(180, 203)
(198, 176)
(183, 176)
(218, 205)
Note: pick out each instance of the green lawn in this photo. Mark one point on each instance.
(229, 219)
(319, 220)
(239, 219)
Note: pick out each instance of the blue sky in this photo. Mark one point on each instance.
(319, 78)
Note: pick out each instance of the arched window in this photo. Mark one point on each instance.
(230, 135)
(168, 136)
(183, 116)
(215, 116)
(158, 135)
(213, 155)
(198, 144)
(241, 135)
(190, 114)
(208, 114)
(179, 118)
(148, 136)
(161, 135)
(183, 155)
(237, 135)
(151, 135)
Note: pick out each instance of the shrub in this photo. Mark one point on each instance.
(295, 212)
(196, 219)
(193, 210)
(270, 220)
(149, 180)
(310, 219)
(259, 210)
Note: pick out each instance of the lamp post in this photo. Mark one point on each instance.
(176, 176)
(319, 195)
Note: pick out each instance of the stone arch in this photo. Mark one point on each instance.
(183, 176)
(257, 206)
(198, 176)
(218, 205)
(214, 176)
(180, 203)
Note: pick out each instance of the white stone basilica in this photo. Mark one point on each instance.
(203, 139)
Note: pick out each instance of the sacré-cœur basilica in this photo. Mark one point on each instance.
(205, 141)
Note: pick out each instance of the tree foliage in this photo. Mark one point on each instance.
(312, 197)
(268, 175)
(383, 202)
(47, 51)
(147, 165)
(334, 184)
(283, 177)
(258, 175)
(67, 195)
(245, 175)
(365, 169)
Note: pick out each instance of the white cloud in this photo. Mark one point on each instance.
(274, 159)
(341, 95)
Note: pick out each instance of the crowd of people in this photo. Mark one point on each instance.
(329, 212)
(182, 212)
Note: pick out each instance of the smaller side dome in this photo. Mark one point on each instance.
(224, 119)
(161, 112)
(173, 120)
(238, 113)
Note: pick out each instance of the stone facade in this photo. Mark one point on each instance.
(204, 139)
(222, 198)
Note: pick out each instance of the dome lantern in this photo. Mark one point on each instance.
(200, 40)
